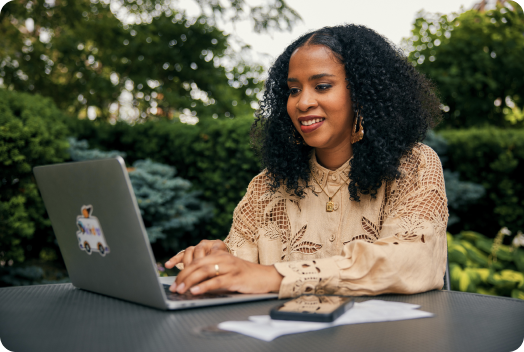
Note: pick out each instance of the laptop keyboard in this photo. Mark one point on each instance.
(188, 296)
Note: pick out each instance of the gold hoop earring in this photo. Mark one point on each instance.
(357, 136)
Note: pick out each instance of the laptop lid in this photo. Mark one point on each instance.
(99, 229)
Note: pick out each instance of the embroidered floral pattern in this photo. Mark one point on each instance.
(272, 231)
(411, 227)
(372, 232)
(295, 245)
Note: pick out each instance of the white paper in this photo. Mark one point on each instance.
(264, 328)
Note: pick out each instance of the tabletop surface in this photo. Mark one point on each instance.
(63, 318)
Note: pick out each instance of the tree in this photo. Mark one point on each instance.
(475, 59)
(161, 64)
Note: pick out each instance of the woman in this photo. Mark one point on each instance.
(349, 202)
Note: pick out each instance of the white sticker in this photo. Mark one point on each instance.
(90, 236)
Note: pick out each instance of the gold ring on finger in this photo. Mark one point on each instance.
(217, 272)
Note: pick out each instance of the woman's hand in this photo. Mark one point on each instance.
(223, 271)
(205, 247)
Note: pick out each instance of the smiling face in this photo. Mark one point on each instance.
(319, 102)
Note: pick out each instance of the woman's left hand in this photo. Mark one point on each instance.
(223, 271)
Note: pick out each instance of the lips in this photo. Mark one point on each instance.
(310, 123)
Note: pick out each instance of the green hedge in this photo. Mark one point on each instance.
(32, 133)
(216, 157)
(493, 158)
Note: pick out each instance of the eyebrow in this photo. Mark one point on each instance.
(320, 75)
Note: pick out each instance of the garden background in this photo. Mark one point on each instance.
(175, 96)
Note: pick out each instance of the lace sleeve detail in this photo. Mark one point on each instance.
(243, 236)
(406, 255)
(418, 200)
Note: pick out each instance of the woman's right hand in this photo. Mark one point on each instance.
(204, 248)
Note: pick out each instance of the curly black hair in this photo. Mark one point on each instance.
(398, 105)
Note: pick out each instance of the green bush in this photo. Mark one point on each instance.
(493, 158)
(32, 133)
(215, 157)
(473, 270)
(460, 194)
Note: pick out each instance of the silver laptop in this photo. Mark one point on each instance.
(103, 240)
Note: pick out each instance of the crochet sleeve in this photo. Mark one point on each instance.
(410, 253)
(243, 236)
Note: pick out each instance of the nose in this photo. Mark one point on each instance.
(306, 101)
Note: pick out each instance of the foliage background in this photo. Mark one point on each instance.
(132, 59)
(32, 133)
(77, 70)
(475, 266)
(494, 158)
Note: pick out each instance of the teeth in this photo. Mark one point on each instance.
(310, 122)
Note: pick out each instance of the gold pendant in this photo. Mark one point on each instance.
(330, 206)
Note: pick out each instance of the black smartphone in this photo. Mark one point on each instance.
(313, 308)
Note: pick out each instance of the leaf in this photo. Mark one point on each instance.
(298, 236)
(360, 237)
(517, 294)
(307, 247)
(369, 227)
(465, 282)
(457, 254)
(518, 257)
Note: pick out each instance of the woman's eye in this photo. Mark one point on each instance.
(293, 91)
(323, 86)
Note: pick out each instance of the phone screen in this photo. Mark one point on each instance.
(314, 304)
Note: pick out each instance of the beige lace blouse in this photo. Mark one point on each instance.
(394, 243)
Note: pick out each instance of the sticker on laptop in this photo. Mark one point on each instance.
(90, 236)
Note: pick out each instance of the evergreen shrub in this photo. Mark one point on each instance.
(169, 207)
(493, 158)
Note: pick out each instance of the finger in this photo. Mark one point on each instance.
(216, 283)
(188, 256)
(202, 249)
(206, 262)
(197, 263)
(174, 260)
(201, 274)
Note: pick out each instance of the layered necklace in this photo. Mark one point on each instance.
(330, 206)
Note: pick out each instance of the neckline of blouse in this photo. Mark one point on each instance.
(323, 175)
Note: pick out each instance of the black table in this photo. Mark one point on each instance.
(63, 318)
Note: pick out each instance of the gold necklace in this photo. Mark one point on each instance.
(329, 205)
